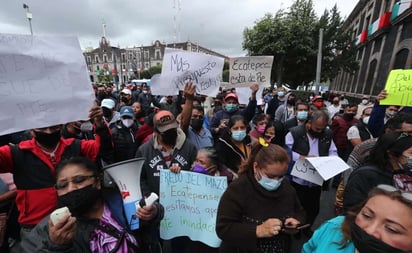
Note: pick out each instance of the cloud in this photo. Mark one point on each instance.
(214, 24)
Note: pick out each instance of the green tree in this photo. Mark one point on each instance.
(292, 38)
(147, 74)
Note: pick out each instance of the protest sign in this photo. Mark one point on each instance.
(399, 88)
(244, 71)
(43, 82)
(161, 86)
(244, 94)
(318, 169)
(190, 201)
(203, 70)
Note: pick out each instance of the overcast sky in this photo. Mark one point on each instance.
(214, 24)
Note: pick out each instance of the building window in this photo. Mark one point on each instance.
(157, 55)
(146, 55)
(89, 59)
(123, 57)
(401, 58)
(104, 58)
(97, 68)
(96, 59)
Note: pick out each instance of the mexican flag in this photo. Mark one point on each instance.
(400, 7)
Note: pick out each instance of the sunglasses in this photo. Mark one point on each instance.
(77, 180)
(390, 188)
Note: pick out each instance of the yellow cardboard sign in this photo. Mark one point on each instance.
(399, 88)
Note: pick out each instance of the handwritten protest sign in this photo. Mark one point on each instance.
(244, 71)
(161, 86)
(244, 94)
(317, 169)
(203, 70)
(399, 88)
(43, 82)
(190, 201)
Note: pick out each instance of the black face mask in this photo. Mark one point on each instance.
(291, 102)
(124, 99)
(101, 95)
(314, 134)
(80, 201)
(48, 140)
(107, 113)
(348, 116)
(197, 124)
(365, 243)
(169, 137)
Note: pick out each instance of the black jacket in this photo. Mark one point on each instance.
(124, 140)
(230, 155)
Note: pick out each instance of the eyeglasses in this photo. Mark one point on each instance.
(77, 180)
(390, 188)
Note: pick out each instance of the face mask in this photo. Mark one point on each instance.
(270, 184)
(145, 92)
(281, 94)
(79, 201)
(199, 169)
(314, 134)
(47, 140)
(302, 115)
(239, 135)
(365, 101)
(124, 99)
(335, 102)
(291, 102)
(365, 120)
(268, 138)
(101, 95)
(197, 124)
(169, 137)
(365, 243)
(319, 104)
(231, 107)
(107, 113)
(348, 116)
(261, 129)
(127, 122)
(311, 97)
(390, 114)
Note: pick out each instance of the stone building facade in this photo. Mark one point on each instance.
(382, 30)
(125, 63)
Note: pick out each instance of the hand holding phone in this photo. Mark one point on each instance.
(58, 214)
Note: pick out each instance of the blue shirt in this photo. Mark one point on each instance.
(205, 139)
(328, 238)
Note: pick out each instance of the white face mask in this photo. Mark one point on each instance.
(365, 120)
(127, 122)
(365, 101)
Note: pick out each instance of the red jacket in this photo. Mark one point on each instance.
(36, 196)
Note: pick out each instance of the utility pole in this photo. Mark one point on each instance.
(319, 62)
(29, 17)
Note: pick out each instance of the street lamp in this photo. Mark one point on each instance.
(29, 17)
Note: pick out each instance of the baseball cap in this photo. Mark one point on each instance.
(232, 95)
(108, 103)
(126, 91)
(126, 111)
(164, 120)
(317, 97)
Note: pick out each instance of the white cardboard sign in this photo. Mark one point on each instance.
(162, 86)
(43, 82)
(244, 71)
(318, 169)
(180, 67)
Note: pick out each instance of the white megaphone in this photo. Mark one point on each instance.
(126, 175)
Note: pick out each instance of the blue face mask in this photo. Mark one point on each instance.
(302, 115)
(281, 94)
(270, 184)
(239, 135)
(231, 107)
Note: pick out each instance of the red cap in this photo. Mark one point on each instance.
(232, 95)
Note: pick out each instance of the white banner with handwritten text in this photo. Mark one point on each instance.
(43, 82)
(318, 169)
(244, 71)
(203, 70)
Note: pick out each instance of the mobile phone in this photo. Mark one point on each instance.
(293, 230)
(58, 214)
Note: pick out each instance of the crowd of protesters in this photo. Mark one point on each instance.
(254, 145)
